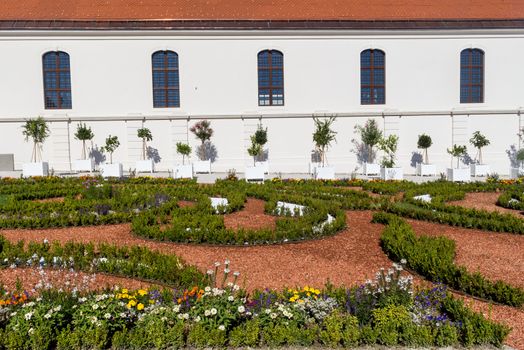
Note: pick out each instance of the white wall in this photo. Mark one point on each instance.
(111, 78)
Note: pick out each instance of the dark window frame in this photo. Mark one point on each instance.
(469, 85)
(166, 88)
(57, 89)
(372, 68)
(270, 68)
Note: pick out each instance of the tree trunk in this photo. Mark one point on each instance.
(144, 149)
(426, 156)
(83, 149)
(480, 155)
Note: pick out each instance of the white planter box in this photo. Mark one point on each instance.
(515, 173)
(84, 165)
(391, 173)
(325, 173)
(112, 170)
(202, 166)
(458, 175)
(479, 169)
(264, 165)
(371, 169)
(426, 169)
(313, 167)
(254, 173)
(145, 166)
(183, 172)
(293, 208)
(35, 169)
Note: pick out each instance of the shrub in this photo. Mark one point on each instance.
(83, 133)
(110, 146)
(36, 130)
(424, 142)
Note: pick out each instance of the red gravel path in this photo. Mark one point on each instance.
(251, 217)
(350, 257)
(485, 201)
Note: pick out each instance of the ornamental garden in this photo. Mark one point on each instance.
(143, 263)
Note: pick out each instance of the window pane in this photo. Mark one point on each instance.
(65, 99)
(378, 58)
(464, 94)
(172, 60)
(365, 95)
(50, 61)
(476, 94)
(263, 97)
(263, 59)
(365, 59)
(378, 77)
(51, 99)
(172, 78)
(63, 60)
(378, 96)
(159, 98)
(158, 60)
(476, 58)
(65, 80)
(476, 75)
(365, 77)
(173, 98)
(159, 79)
(277, 59)
(277, 78)
(263, 78)
(464, 58)
(50, 80)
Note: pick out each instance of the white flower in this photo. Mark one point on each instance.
(227, 262)
(217, 264)
(241, 309)
(213, 311)
(403, 261)
(210, 272)
(221, 328)
(122, 315)
(46, 241)
(236, 273)
(236, 287)
(207, 313)
(28, 316)
(176, 308)
(231, 298)
(30, 331)
(267, 311)
(207, 289)
(226, 271)
(95, 306)
(230, 284)
(47, 316)
(185, 316)
(273, 315)
(58, 308)
(107, 316)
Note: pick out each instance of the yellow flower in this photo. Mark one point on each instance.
(140, 307)
(124, 291)
(142, 292)
(132, 303)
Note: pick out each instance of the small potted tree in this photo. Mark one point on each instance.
(323, 137)
(183, 171)
(36, 130)
(479, 141)
(388, 171)
(84, 133)
(370, 135)
(425, 169)
(111, 170)
(145, 165)
(458, 174)
(261, 139)
(202, 131)
(255, 173)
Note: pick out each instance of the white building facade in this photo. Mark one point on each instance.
(112, 92)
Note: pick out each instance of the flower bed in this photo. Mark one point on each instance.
(386, 311)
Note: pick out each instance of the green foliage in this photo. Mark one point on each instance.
(261, 135)
(110, 146)
(389, 146)
(479, 141)
(184, 149)
(433, 257)
(324, 135)
(457, 151)
(145, 134)
(36, 130)
(520, 155)
(370, 134)
(83, 132)
(390, 323)
(255, 150)
(424, 142)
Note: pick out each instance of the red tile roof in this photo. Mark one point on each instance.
(370, 10)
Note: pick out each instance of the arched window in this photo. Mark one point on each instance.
(270, 78)
(166, 92)
(472, 76)
(372, 77)
(57, 80)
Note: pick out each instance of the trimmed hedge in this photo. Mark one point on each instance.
(433, 258)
